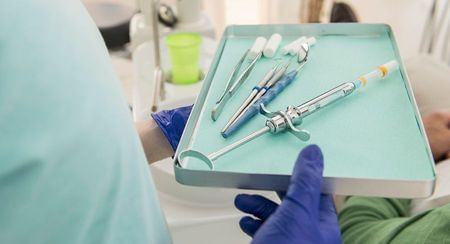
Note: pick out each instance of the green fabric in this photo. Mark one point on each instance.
(381, 220)
(72, 169)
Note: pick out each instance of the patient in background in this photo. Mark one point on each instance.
(437, 127)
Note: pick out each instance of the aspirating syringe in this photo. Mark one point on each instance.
(290, 118)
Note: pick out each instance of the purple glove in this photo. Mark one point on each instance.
(172, 123)
(304, 216)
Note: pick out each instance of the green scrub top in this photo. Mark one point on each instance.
(72, 169)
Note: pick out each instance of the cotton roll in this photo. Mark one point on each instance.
(294, 50)
(310, 41)
(295, 43)
(272, 45)
(287, 48)
(258, 46)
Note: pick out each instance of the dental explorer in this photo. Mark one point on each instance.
(267, 78)
(288, 120)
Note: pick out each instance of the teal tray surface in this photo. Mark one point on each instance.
(373, 138)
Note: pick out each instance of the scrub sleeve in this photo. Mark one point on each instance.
(72, 168)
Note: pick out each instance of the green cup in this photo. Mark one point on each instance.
(184, 51)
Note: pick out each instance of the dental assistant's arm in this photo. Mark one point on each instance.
(161, 134)
(381, 220)
(155, 144)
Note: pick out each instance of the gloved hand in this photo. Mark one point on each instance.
(172, 123)
(304, 215)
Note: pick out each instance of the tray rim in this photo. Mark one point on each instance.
(336, 185)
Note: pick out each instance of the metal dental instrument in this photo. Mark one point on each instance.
(288, 120)
(263, 83)
(233, 86)
(266, 95)
(233, 76)
(158, 75)
(280, 72)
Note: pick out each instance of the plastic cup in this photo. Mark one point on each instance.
(184, 51)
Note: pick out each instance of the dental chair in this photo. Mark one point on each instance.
(429, 74)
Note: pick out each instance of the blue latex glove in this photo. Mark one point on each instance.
(172, 123)
(304, 215)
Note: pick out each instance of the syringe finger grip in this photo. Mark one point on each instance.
(258, 47)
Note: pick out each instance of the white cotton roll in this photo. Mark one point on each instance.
(258, 46)
(294, 50)
(272, 45)
(310, 41)
(295, 45)
(285, 50)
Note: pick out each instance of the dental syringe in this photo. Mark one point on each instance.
(287, 120)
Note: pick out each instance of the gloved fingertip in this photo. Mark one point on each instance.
(256, 205)
(249, 225)
(306, 181)
(246, 220)
(309, 161)
(239, 199)
(311, 153)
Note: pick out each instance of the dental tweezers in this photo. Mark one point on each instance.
(233, 84)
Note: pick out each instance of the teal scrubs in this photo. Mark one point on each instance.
(72, 169)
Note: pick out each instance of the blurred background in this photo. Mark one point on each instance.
(125, 24)
(407, 17)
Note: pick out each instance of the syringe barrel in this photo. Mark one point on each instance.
(325, 99)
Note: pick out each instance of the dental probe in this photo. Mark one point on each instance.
(280, 121)
(254, 92)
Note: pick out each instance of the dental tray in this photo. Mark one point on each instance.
(373, 141)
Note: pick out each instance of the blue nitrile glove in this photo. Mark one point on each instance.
(172, 123)
(304, 215)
